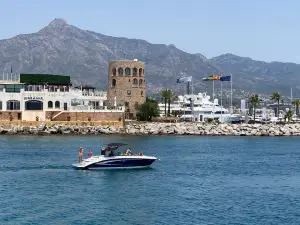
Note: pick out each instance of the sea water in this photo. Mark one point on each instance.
(198, 180)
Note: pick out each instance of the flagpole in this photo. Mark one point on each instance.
(221, 100)
(291, 99)
(193, 99)
(231, 109)
(213, 97)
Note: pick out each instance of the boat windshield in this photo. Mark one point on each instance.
(112, 149)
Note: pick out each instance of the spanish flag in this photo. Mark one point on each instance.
(211, 78)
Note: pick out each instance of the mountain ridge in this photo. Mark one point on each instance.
(61, 48)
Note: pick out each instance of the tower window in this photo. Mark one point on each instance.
(113, 83)
(142, 93)
(135, 82)
(140, 72)
(120, 71)
(128, 92)
(114, 71)
(135, 71)
(127, 71)
(140, 82)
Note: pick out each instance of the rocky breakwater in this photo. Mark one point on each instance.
(155, 128)
(213, 129)
(59, 129)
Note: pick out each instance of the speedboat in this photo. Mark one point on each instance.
(112, 158)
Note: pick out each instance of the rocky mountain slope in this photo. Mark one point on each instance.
(60, 48)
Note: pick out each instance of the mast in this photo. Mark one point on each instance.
(213, 97)
(291, 99)
(221, 99)
(231, 109)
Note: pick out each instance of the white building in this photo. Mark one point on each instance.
(32, 99)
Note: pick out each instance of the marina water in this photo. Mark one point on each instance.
(198, 180)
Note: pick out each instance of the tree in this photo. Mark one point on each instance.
(148, 110)
(254, 100)
(171, 98)
(296, 103)
(164, 96)
(167, 96)
(289, 115)
(276, 97)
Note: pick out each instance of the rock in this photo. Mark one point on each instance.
(53, 131)
(179, 128)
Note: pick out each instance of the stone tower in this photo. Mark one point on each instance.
(126, 84)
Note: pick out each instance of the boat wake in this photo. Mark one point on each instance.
(26, 168)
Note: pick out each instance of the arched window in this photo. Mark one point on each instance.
(140, 72)
(141, 82)
(57, 104)
(135, 82)
(142, 93)
(127, 71)
(50, 105)
(33, 105)
(134, 72)
(0, 105)
(114, 71)
(13, 105)
(113, 83)
(120, 71)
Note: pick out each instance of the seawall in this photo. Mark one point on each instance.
(154, 128)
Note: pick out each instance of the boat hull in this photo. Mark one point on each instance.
(136, 162)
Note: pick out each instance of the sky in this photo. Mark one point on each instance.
(267, 30)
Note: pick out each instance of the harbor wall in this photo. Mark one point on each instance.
(60, 116)
(10, 115)
(84, 116)
(153, 128)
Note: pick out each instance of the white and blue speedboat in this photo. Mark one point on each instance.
(112, 158)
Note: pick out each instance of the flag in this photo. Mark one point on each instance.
(184, 79)
(215, 77)
(225, 78)
(212, 77)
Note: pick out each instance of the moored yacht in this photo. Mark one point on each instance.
(198, 108)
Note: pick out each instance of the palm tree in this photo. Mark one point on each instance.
(289, 115)
(171, 97)
(296, 103)
(276, 97)
(164, 96)
(167, 96)
(254, 100)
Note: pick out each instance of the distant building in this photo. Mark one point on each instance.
(42, 97)
(126, 84)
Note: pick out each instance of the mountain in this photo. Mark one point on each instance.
(259, 76)
(60, 48)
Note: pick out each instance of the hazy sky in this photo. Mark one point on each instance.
(266, 30)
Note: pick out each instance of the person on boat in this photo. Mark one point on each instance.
(128, 152)
(140, 154)
(80, 154)
(111, 154)
(90, 153)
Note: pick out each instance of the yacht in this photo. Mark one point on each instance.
(112, 158)
(199, 107)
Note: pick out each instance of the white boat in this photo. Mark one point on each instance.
(201, 109)
(201, 104)
(111, 158)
